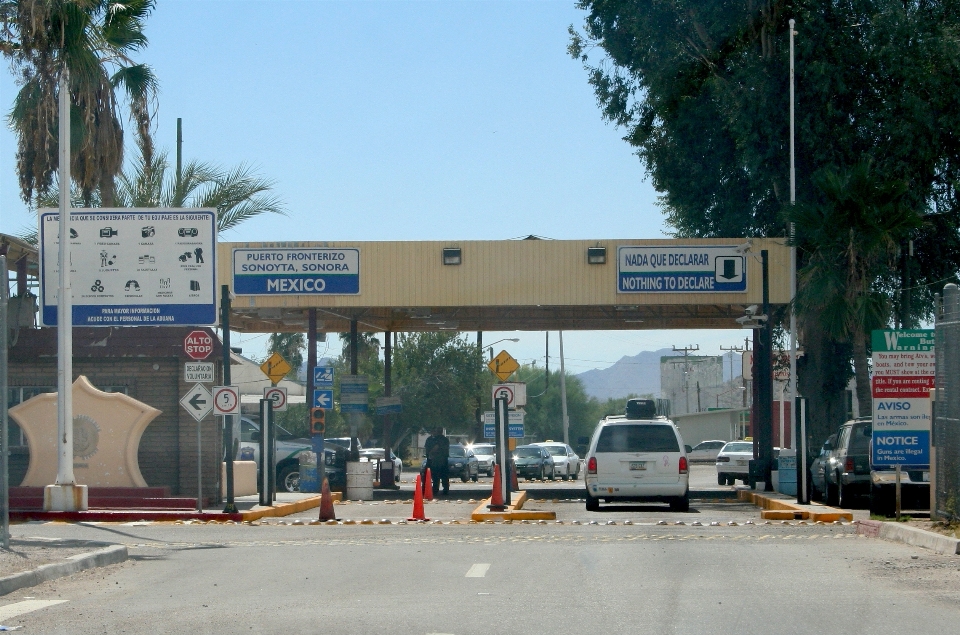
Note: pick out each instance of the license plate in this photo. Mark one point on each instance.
(741, 462)
(638, 465)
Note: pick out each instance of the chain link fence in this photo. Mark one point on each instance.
(946, 419)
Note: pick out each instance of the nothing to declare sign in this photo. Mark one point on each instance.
(903, 374)
(301, 271)
(694, 269)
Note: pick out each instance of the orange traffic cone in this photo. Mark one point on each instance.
(428, 486)
(514, 483)
(418, 503)
(326, 502)
(496, 497)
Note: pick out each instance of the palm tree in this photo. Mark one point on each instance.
(93, 40)
(849, 240)
(237, 193)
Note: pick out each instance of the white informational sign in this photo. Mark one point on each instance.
(198, 372)
(226, 400)
(198, 402)
(515, 393)
(904, 364)
(513, 416)
(306, 271)
(133, 266)
(694, 269)
(278, 396)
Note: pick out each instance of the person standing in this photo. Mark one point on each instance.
(437, 449)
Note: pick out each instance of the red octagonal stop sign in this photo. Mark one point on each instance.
(198, 345)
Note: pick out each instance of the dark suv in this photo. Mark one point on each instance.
(847, 471)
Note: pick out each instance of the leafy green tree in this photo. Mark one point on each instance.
(544, 410)
(701, 88)
(94, 40)
(437, 375)
(290, 346)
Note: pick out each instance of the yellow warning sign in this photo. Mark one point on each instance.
(276, 368)
(503, 365)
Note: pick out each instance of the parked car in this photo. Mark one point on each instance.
(637, 460)
(533, 461)
(343, 442)
(847, 472)
(566, 462)
(819, 468)
(705, 451)
(733, 462)
(287, 456)
(462, 462)
(486, 456)
(376, 454)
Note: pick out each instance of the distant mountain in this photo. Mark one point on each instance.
(638, 375)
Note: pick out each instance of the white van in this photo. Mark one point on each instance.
(637, 460)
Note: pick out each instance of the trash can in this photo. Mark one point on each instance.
(359, 480)
(788, 472)
(309, 479)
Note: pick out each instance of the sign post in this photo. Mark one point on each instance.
(322, 392)
(904, 365)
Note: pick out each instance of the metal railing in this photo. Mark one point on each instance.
(946, 417)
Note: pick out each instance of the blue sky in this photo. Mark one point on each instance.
(400, 121)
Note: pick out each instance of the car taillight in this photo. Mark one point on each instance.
(848, 466)
(723, 459)
(592, 465)
(683, 465)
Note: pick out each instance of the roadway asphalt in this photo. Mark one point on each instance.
(475, 578)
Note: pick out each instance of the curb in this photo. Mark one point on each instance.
(775, 508)
(898, 532)
(80, 562)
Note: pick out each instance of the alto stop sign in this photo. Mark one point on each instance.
(198, 345)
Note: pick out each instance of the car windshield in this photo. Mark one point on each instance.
(738, 447)
(527, 453)
(483, 449)
(638, 438)
(457, 452)
(556, 450)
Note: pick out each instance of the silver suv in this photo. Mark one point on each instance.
(637, 460)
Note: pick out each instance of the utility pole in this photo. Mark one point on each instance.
(686, 372)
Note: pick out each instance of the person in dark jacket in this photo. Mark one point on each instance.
(437, 449)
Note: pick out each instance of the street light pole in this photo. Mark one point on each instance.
(793, 249)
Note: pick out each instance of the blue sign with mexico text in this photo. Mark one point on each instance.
(300, 271)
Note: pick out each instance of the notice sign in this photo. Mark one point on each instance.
(133, 266)
(304, 271)
(704, 269)
(903, 368)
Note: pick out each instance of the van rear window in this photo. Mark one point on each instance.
(637, 438)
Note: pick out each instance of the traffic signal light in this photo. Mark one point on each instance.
(317, 421)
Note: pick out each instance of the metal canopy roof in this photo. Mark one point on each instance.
(525, 285)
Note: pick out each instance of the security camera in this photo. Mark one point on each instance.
(744, 248)
(750, 310)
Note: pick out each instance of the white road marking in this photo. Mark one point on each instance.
(27, 606)
(478, 571)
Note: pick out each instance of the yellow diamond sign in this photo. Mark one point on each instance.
(276, 368)
(503, 365)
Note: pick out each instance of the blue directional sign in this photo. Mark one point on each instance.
(323, 398)
(323, 376)
(515, 430)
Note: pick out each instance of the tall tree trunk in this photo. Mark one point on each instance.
(822, 379)
(864, 394)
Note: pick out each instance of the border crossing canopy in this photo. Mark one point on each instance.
(526, 285)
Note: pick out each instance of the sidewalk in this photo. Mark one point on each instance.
(248, 509)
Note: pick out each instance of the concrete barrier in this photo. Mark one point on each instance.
(906, 534)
